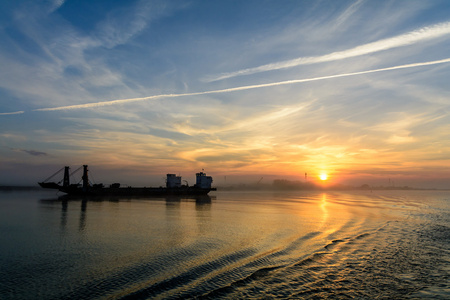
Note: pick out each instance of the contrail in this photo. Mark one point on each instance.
(12, 113)
(112, 102)
(241, 88)
(406, 39)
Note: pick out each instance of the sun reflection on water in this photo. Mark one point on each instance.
(323, 207)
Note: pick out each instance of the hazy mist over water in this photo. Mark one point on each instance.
(359, 244)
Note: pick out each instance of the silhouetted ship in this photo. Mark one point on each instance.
(173, 186)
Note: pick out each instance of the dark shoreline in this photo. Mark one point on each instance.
(19, 188)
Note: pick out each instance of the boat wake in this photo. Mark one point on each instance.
(387, 262)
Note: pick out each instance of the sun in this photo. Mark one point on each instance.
(323, 176)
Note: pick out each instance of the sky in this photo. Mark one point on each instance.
(358, 90)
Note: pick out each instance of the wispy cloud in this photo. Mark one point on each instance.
(13, 137)
(123, 24)
(416, 36)
(348, 12)
(68, 54)
(55, 4)
(30, 152)
(12, 113)
(241, 88)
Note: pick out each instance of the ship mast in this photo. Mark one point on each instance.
(66, 180)
(85, 178)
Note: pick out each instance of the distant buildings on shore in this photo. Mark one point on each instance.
(289, 185)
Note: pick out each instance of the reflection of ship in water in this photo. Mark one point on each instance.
(173, 186)
(202, 203)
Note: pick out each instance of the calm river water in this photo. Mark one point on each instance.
(233, 245)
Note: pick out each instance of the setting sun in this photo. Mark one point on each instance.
(323, 176)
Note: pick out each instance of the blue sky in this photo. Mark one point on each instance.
(244, 89)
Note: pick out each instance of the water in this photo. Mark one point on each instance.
(235, 245)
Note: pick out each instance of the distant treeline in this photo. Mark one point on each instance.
(18, 188)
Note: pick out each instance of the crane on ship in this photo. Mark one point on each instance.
(65, 181)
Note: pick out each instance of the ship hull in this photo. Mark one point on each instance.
(135, 191)
(49, 185)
